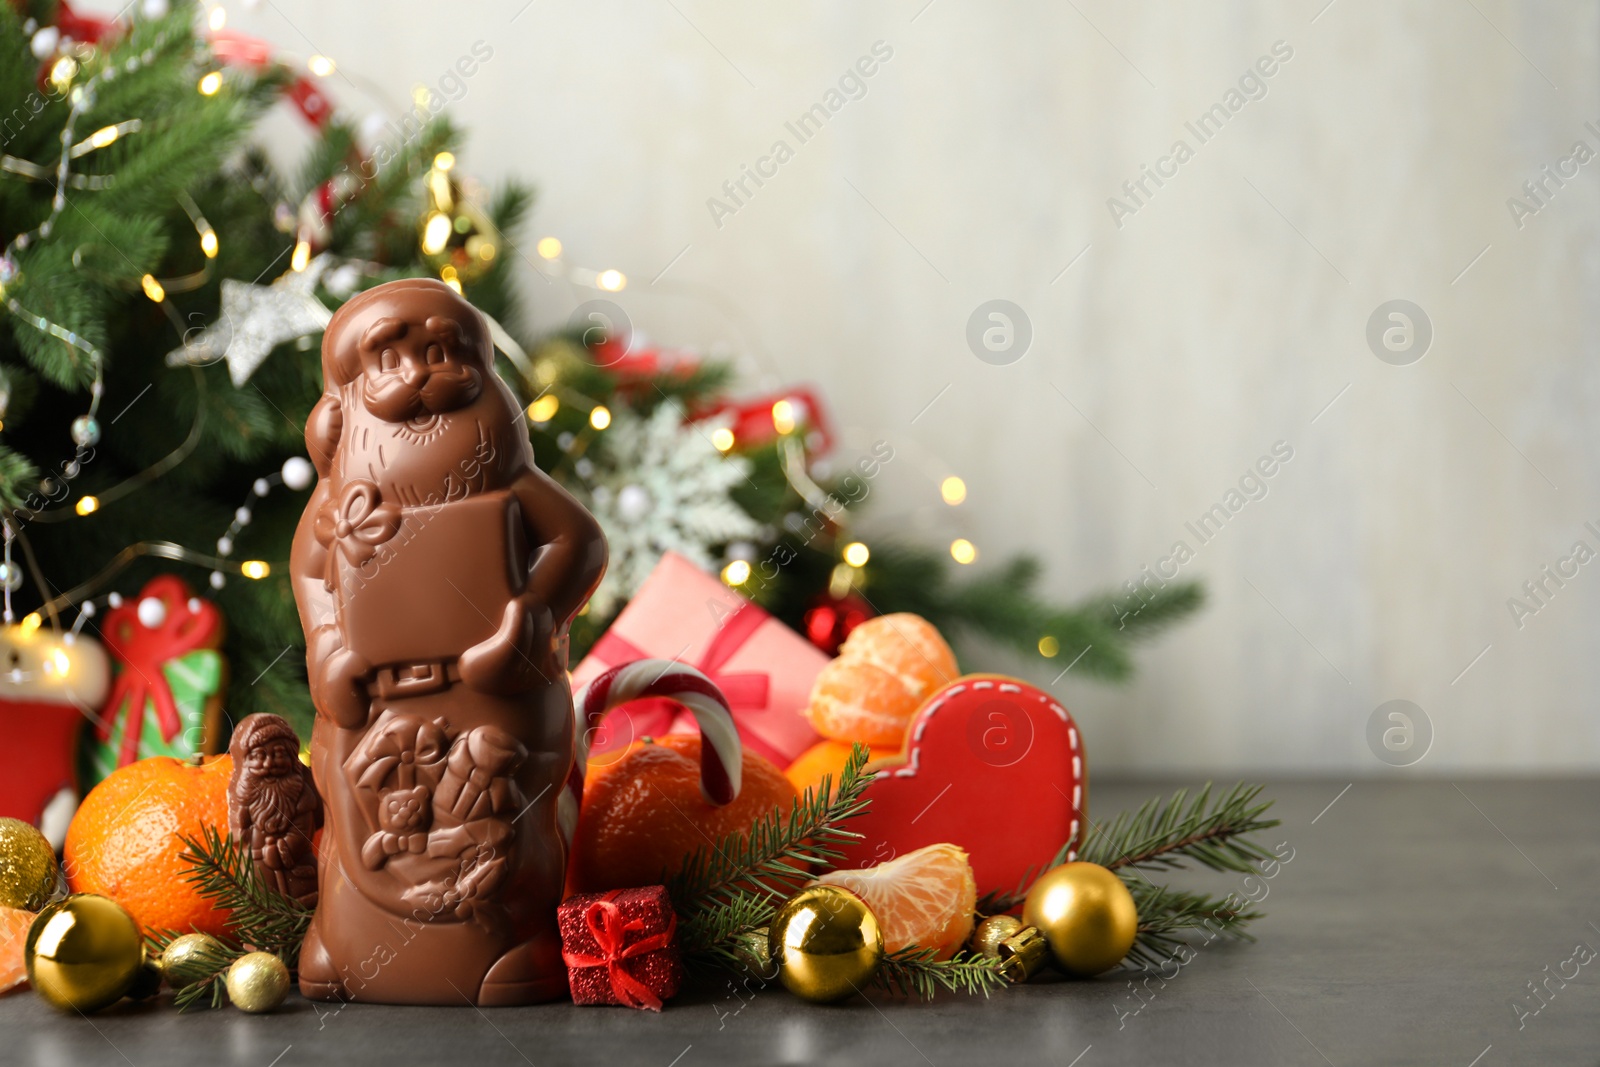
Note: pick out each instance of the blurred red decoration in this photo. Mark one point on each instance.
(830, 619)
(752, 421)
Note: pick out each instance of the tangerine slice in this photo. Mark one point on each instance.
(14, 923)
(924, 898)
(854, 701)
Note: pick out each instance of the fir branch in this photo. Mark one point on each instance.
(780, 851)
(913, 971)
(204, 977)
(222, 871)
(1164, 835)
(1166, 915)
(714, 938)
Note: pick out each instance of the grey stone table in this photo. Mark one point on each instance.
(1411, 918)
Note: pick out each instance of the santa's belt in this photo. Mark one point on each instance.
(414, 679)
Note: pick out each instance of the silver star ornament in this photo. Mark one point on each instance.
(255, 319)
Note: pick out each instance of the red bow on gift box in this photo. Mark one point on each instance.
(610, 931)
(744, 690)
(187, 624)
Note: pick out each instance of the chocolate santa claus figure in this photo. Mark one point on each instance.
(436, 570)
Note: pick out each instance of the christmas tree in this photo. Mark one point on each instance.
(164, 287)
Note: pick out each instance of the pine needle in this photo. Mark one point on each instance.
(913, 972)
(724, 894)
(222, 871)
(1166, 915)
(781, 850)
(1165, 835)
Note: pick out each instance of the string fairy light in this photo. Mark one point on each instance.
(297, 473)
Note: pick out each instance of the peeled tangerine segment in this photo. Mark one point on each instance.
(14, 924)
(924, 898)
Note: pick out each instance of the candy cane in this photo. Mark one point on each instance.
(721, 755)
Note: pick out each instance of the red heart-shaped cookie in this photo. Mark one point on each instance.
(991, 764)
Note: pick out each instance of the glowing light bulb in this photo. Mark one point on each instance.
(544, 409)
(87, 505)
(435, 233)
(58, 662)
(856, 554)
(208, 243)
(31, 623)
(963, 551)
(321, 66)
(612, 281)
(722, 438)
(1049, 647)
(255, 568)
(736, 573)
(210, 83)
(62, 72)
(301, 256)
(783, 417)
(548, 247)
(600, 417)
(217, 19)
(444, 161)
(103, 136)
(953, 490)
(152, 288)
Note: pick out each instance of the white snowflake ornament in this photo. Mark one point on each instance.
(663, 487)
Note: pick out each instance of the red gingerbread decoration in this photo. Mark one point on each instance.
(436, 570)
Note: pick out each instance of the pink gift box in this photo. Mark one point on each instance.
(764, 668)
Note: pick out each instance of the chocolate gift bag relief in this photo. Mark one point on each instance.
(436, 570)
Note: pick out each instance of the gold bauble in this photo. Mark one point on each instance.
(1086, 914)
(147, 983)
(257, 982)
(826, 943)
(753, 949)
(29, 873)
(83, 952)
(185, 959)
(988, 934)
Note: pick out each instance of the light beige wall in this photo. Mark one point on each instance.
(1219, 319)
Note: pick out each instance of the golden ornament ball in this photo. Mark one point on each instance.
(753, 949)
(988, 934)
(83, 953)
(826, 943)
(29, 874)
(257, 982)
(188, 958)
(147, 982)
(1086, 914)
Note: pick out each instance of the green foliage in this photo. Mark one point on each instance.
(1163, 835)
(1167, 915)
(264, 920)
(914, 972)
(735, 886)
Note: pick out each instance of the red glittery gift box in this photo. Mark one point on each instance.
(621, 948)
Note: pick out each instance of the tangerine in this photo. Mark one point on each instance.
(125, 840)
(924, 898)
(826, 758)
(886, 668)
(643, 814)
(14, 923)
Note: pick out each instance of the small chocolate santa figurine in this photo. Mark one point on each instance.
(436, 570)
(273, 807)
